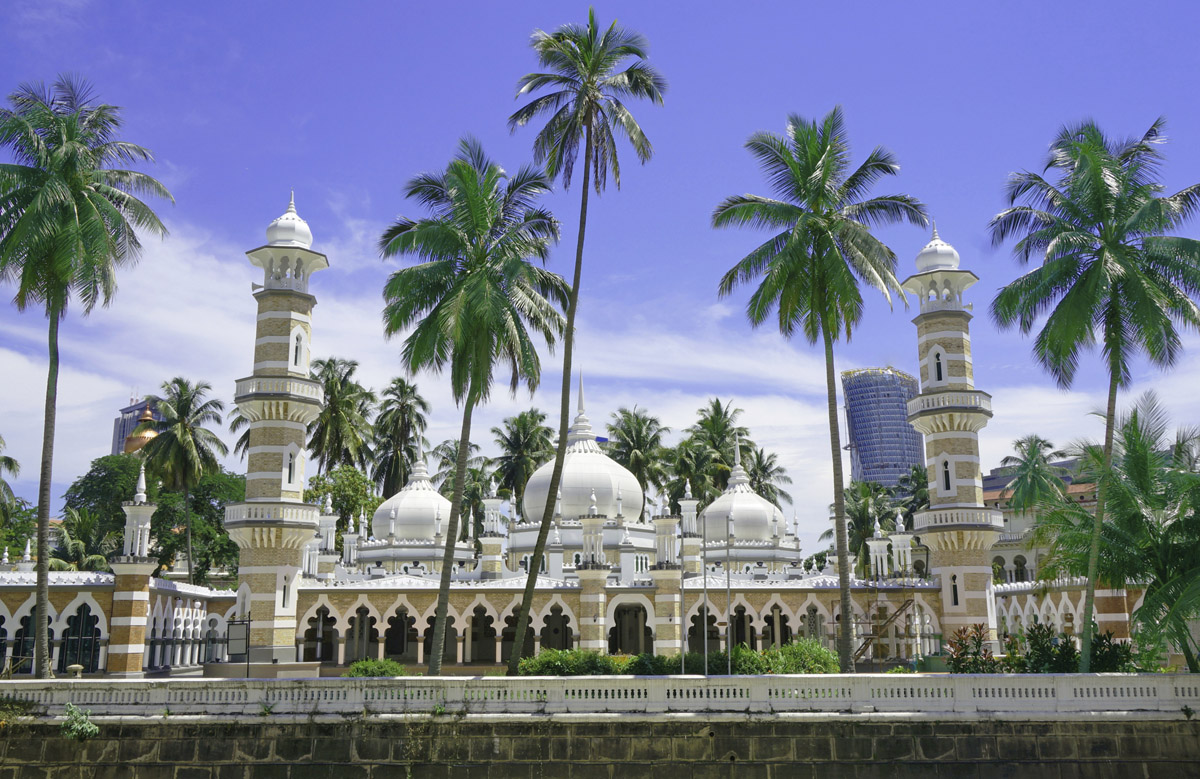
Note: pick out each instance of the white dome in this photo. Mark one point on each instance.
(937, 255)
(290, 229)
(417, 506)
(585, 468)
(754, 517)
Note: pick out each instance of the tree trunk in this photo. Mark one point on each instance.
(187, 523)
(443, 602)
(1089, 597)
(41, 630)
(1189, 656)
(845, 639)
(564, 419)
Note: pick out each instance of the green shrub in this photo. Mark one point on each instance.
(1111, 656)
(802, 656)
(78, 724)
(747, 662)
(1047, 653)
(375, 668)
(969, 653)
(1013, 661)
(900, 669)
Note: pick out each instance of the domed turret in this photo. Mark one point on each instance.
(750, 516)
(937, 255)
(290, 229)
(417, 508)
(586, 469)
(135, 441)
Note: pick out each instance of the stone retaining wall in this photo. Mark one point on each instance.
(608, 747)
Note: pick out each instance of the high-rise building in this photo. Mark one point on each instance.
(127, 421)
(883, 445)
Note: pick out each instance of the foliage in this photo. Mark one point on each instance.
(766, 475)
(912, 492)
(397, 435)
(370, 667)
(1110, 655)
(803, 656)
(969, 653)
(110, 481)
(635, 441)
(525, 442)
(867, 503)
(809, 269)
(1034, 478)
(352, 493)
(1152, 530)
(717, 431)
(18, 522)
(184, 450)
(900, 669)
(78, 724)
(341, 433)
(476, 299)
(10, 466)
(69, 217)
(1109, 271)
(211, 545)
(83, 543)
(1013, 661)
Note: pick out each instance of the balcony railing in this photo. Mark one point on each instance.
(255, 512)
(973, 400)
(987, 518)
(280, 385)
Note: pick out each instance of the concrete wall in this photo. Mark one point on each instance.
(481, 746)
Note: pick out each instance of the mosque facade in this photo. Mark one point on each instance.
(616, 578)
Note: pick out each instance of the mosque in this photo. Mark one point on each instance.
(615, 578)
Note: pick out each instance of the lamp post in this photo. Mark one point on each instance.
(704, 574)
(728, 594)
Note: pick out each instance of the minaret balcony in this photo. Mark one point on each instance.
(279, 388)
(972, 518)
(937, 402)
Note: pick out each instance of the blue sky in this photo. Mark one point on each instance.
(344, 102)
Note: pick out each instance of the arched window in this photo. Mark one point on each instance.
(81, 641)
(946, 475)
(291, 473)
(937, 366)
(298, 352)
(954, 590)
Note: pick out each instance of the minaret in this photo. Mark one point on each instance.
(950, 412)
(279, 399)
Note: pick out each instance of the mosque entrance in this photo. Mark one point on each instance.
(777, 631)
(695, 632)
(362, 639)
(482, 637)
(320, 639)
(509, 632)
(400, 639)
(743, 629)
(631, 633)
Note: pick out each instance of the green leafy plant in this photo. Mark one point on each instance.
(375, 668)
(1110, 655)
(969, 653)
(78, 724)
(803, 656)
(266, 709)
(1013, 661)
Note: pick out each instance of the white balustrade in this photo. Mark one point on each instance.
(280, 385)
(937, 401)
(1034, 695)
(243, 512)
(989, 518)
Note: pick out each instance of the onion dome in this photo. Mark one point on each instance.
(586, 470)
(413, 512)
(135, 441)
(750, 516)
(937, 255)
(290, 229)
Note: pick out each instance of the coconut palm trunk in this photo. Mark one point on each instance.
(41, 633)
(443, 602)
(564, 419)
(1089, 597)
(845, 636)
(187, 523)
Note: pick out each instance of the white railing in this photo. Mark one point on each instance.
(937, 694)
(974, 400)
(989, 518)
(242, 512)
(280, 385)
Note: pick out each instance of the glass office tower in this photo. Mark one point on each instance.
(883, 445)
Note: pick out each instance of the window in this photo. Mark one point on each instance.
(291, 472)
(954, 590)
(299, 350)
(937, 366)
(946, 475)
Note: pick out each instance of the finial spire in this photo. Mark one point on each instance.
(580, 391)
(292, 203)
(140, 493)
(737, 450)
(935, 232)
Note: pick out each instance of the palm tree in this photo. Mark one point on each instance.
(766, 475)
(475, 296)
(1152, 530)
(398, 430)
(717, 428)
(184, 449)
(11, 466)
(867, 502)
(478, 485)
(525, 442)
(445, 455)
(588, 81)
(68, 220)
(83, 544)
(237, 423)
(636, 442)
(341, 433)
(1109, 270)
(1034, 477)
(692, 464)
(912, 489)
(810, 267)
